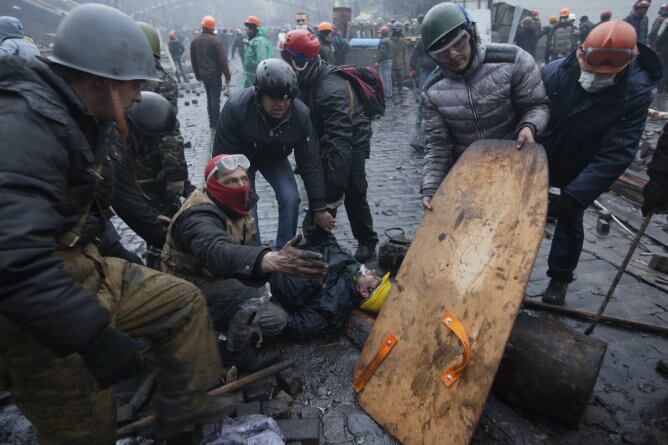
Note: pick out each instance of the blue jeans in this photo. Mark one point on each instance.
(385, 73)
(281, 178)
(424, 75)
(566, 247)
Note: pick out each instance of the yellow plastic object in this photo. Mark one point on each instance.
(378, 297)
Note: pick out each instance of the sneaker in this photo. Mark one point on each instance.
(555, 292)
(366, 252)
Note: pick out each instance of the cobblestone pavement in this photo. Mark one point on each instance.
(630, 401)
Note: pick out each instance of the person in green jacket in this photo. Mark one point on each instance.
(258, 49)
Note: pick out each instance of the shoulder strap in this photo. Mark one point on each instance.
(69, 239)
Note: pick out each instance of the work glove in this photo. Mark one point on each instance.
(563, 207)
(412, 74)
(176, 187)
(111, 357)
(655, 197)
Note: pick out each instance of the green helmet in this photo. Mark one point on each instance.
(152, 36)
(105, 42)
(440, 20)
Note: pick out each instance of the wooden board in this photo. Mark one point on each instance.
(472, 255)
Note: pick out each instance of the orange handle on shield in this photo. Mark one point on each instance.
(452, 374)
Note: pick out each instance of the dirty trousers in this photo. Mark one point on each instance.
(61, 398)
(233, 307)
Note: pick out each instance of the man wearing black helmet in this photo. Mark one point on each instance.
(266, 123)
(67, 314)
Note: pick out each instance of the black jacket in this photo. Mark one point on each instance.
(526, 38)
(326, 50)
(658, 168)
(201, 230)
(339, 122)
(315, 305)
(51, 147)
(420, 60)
(128, 201)
(244, 128)
(176, 49)
(592, 138)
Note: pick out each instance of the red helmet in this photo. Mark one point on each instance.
(384, 30)
(606, 14)
(300, 48)
(172, 35)
(252, 20)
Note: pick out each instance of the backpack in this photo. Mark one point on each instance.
(366, 83)
(562, 40)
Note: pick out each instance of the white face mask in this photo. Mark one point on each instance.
(302, 26)
(595, 82)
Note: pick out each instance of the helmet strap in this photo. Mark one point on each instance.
(294, 65)
(119, 116)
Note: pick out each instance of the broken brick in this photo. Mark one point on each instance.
(261, 390)
(603, 227)
(249, 408)
(276, 408)
(305, 430)
(289, 381)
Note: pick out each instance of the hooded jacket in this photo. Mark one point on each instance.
(339, 122)
(592, 138)
(12, 41)
(244, 128)
(48, 176)
(498, 94)
(318, 305)
(257, 50)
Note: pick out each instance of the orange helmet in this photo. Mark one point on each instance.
(252, 20)
(208, 22)
(606, 14)
(553, 19)
(172, 35)
(564, 12)
(609, 48)
(384, 30)
(325, 26)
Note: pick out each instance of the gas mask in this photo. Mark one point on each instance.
(595, 82)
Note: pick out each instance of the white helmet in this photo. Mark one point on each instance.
(571, 17)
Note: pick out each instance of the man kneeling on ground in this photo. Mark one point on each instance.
(318, 305)
(210, 243)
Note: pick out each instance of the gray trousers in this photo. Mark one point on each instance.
(232, 311)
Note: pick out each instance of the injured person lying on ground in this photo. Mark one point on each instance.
(210, 243)
(318, 305)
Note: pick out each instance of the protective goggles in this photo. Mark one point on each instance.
(295, 56)
(441, 50)
(227, 164)
(610, 57)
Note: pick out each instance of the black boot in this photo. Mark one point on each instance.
(366, 252)
(174, 422)
(555, 292)
(250, 359)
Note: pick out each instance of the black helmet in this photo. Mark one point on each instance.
(153, 116)
(103, 41)
(275, 78)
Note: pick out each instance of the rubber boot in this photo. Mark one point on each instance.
(555, 292)
(250, 359)
(366, 252)
(172, 423)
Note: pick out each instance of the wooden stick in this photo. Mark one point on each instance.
(645, 327)
(620, 272)
(230, 387)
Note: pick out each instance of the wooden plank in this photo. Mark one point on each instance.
(472, 255)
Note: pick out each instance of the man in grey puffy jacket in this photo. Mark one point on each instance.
(11, 39)
(478, 92)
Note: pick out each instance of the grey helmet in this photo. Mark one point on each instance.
(103, 41)
(153, 116)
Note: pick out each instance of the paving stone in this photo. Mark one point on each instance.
(289, 381)
(249, 408)
(261, 390)
(305, 430)
(276, 408)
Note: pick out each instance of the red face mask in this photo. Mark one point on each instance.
(235, 198)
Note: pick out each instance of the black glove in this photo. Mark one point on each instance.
(655, 197)
(563, 207)
(111, 357)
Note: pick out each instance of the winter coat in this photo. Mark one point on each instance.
(385, 50)
(176, 49)
(420, 60)
(584, 30)
(654, 33)
(500, 93)
(48, 176)
(339, 122)
(399, 49)
(318, 305)
(208, 240)
(341, 48)
(208, 57)
(641, 25)
(526, 38)
(326, 50)
(128, 201)
(563, 39)
(257, 50)
(238, 46)
(12, 41)
(244, 128)
(592, 138)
